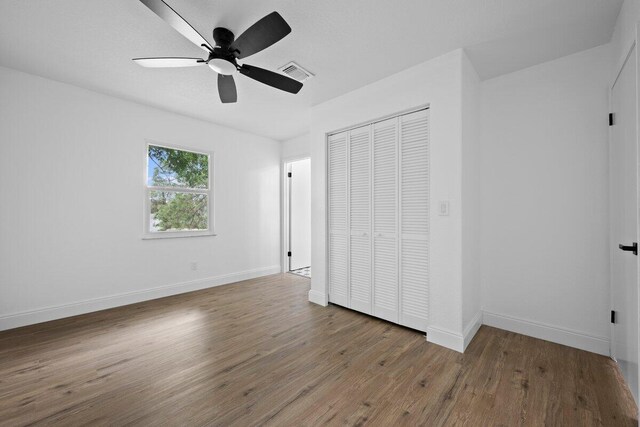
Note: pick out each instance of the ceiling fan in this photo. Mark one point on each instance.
(222, 58)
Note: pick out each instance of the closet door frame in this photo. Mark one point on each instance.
(348, 129)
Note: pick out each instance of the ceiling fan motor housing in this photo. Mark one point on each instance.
(222, 60)
(223, 37)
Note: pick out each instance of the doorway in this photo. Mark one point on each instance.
(298, 217)
(623, 155)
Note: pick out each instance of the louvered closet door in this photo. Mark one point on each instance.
(385, 223)
(360, 219)
(414, 219)
(338, 221)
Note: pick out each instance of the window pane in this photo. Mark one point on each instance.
(168, 167)
(174, 211)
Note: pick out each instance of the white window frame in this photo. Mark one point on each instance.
(149, 235)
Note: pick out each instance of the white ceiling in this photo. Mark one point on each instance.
(347, 44)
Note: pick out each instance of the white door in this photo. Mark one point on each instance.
(360, 219)
(624, 230)
(300, 214)
(338, 224)
(414, 219)
(378, 195)
(385, 219)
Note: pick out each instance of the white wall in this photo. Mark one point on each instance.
(471, 200)
(71, 168)
(624, 33)
(438, 83)
(296, 148)
(545, 248)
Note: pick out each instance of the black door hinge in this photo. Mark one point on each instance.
(289, 253)
(611, 119)
(289, 175)
(613, 316)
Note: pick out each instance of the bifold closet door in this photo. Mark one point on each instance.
(385, 219)
(378, 194)
(338, 226)
(414, 219)
(360, 219)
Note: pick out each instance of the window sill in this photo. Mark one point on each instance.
(176, 235)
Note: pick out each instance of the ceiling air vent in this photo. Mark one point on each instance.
(295, 71)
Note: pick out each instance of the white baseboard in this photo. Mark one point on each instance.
(318, 297)
(445, 338)
(16, 320)
(594, 344)
(453, 340)
(471, 329)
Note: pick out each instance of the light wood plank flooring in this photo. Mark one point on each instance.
(258, 353)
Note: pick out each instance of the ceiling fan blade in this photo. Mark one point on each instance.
(171, 17)
(168, 62)
(267, 31)
(270, 78)
(227, 89)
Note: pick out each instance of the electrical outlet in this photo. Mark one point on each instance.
(194, 265)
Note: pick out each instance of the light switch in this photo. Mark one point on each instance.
(443, 208)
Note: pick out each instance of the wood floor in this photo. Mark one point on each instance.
(258, 353)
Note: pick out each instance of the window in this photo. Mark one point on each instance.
(178, 196)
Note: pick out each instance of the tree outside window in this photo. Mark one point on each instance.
(178, 190)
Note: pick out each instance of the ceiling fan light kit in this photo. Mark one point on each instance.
(223, 56)
(222, 66)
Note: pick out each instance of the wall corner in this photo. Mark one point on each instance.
(319, 298)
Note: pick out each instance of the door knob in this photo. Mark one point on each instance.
(633, 248)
